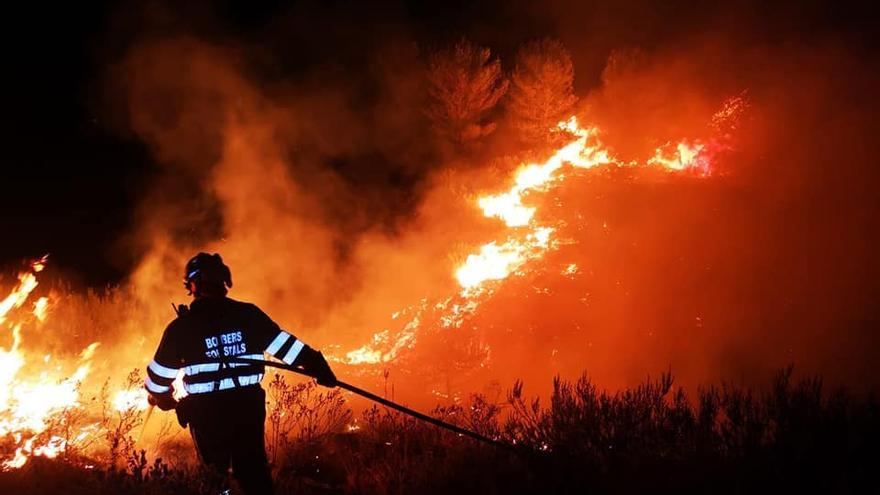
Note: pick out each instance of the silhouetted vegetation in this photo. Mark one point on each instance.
(794, 436)
(541, 90)
(464, 84)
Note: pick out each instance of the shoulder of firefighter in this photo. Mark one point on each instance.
(202, 341)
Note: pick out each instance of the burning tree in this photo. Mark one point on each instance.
(464, 85)
(541, 93)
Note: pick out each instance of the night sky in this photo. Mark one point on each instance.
(73, 175)
(68, 184)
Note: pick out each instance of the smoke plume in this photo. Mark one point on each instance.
(325, 189)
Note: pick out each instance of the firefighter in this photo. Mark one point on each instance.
(225, 407)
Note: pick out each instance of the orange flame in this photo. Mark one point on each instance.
(29, 403)
(529, 240)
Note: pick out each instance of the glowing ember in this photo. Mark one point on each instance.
(40, 264)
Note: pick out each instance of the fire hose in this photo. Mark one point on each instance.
(371, 396)
(385, 402)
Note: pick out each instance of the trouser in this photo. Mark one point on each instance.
(227, 428)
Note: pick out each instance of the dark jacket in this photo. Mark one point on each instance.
(211, 331)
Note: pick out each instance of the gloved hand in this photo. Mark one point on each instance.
(314, 365)
(165, 401)
(323, 373)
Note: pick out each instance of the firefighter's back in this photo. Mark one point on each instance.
(210, 333)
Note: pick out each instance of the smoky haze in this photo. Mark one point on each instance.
(297, 145)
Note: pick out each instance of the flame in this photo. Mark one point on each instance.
(682, 156)
(584, 152)
(127, 400)
(27, 282)
(496, 262)
(41, 308)
(364, 355)
(29, 404)
(528, 239)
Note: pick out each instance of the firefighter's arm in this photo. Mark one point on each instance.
(286, 347)
(162, 371)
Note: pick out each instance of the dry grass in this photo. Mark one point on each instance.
(791, 437)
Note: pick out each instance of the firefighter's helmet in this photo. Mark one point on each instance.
(207, 269)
